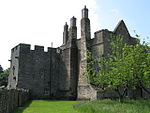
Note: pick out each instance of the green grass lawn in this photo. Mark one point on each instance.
(101, 106)
(112, 106)
(45, 106)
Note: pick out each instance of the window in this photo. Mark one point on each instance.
(13, 70)
(46, 91)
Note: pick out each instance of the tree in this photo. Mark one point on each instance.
(139, 58)
(126, 67)
(1, 69)
(4, 77)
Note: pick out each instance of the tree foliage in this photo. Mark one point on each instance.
(126, 66)
(1, 69)
(4, 77)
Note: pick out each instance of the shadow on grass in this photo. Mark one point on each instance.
(22, 108)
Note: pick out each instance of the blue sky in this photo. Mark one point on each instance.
(135, 13)
(40, 22)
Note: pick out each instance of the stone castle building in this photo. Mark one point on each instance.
(57, 73)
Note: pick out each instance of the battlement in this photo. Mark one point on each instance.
(98, 36)
(100, 31)
(50, 49)
(26, 48)
(39, 48)
(21, 46)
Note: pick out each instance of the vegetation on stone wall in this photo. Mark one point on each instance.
(4, 76)
(126, 67)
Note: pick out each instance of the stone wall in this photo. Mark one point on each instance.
(36, 70)
(10, 99)
(133, 94)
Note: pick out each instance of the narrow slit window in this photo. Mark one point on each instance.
(13, 70)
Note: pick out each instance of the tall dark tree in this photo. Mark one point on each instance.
(1, 69)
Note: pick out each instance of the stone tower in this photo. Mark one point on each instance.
(85, 37)
(84, 88)
(73, 56)
(69, 59)
(65, 34)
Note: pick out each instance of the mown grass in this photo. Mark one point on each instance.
(112, 106)
(100, 106)
(45, 106)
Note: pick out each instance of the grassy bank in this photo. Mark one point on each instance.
(45, 106)
(101, 106)
(111, 106)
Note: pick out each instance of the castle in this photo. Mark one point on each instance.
(57, 73)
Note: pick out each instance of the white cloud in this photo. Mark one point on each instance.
(38, 22)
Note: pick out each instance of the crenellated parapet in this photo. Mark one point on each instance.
(26, 48)
(39, 48)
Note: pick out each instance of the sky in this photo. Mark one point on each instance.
(40, 22)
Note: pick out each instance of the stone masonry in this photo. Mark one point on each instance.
(11, 99)
(57, 73)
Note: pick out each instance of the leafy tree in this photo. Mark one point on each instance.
(4, 77)
(139, 65)
(126, 67)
